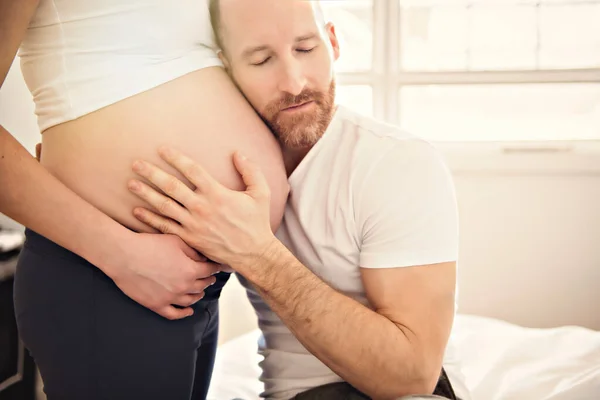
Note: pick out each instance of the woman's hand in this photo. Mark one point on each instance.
(161, 272)
(227, 226)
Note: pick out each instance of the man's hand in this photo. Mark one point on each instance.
(162, 271)
(227, 226)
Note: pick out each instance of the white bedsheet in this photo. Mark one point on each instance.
(501, 362)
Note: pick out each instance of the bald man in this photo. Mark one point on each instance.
(355, 293)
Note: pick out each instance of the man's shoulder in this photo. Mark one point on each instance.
(377, 141)
(373, 128)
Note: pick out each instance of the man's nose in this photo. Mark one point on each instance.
(292, 79)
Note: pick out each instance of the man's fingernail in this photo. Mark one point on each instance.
(134, 185)
(165, 151)
(138, 166)
(241, 156)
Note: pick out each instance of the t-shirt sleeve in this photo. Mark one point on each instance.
(406, 209)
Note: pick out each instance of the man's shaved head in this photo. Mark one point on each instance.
(215, 20)
(218, 29)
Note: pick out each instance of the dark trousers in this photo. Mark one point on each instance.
(90, 341)
(344, 391)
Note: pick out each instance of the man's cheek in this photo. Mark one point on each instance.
(248, 89)
(256, 96)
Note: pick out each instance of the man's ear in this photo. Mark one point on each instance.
(333, 39)
(224, 60)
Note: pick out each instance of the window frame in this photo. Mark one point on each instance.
(387, 79)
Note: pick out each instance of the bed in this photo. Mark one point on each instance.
(501, 361)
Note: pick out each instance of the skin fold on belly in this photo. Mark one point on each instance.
(201, 114)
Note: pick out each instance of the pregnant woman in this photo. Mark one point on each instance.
(108, 308)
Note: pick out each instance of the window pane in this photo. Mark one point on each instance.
(502, 37)
(358, 98)
(434, 39)
(353, 21)
(476, 35)
(506, 112)
(570, 36)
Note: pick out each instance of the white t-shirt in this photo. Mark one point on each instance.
(366, 195)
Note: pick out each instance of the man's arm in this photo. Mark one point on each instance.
(406, 218)
(394, 350)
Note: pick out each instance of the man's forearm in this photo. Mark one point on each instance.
(33, 197)
(364, 348)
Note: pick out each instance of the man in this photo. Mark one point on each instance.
(355, 294)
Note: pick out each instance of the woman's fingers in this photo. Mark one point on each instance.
(174, 313)
(202, 284)
(189, 300)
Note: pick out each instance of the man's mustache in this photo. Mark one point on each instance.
(288, 100)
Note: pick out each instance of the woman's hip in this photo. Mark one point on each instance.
(87, 336)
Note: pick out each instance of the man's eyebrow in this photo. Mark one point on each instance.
(248, 52)
(251, 50)
(308, 36)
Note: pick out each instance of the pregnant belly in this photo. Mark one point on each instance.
(201, 114)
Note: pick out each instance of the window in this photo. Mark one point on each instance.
(473, 70)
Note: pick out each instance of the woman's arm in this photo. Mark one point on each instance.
(33, 197)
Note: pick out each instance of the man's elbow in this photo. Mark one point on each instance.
(427, 381)
(422, 381)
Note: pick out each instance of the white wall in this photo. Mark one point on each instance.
(530, 248)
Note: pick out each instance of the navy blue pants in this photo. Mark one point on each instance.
(91, 342)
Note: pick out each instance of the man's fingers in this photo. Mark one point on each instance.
(167, 183)
(163, 204)
(160, 223)
(252, 176)
(189, 168)
(174, 313)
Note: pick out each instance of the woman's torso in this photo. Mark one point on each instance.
(115, 80)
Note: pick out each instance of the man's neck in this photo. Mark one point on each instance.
(293, 157)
